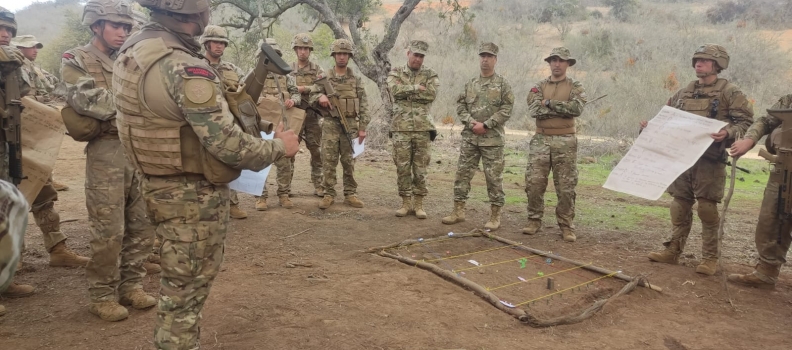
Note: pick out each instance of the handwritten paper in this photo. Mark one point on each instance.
(42, 135)
(671, 143)
(252, 182)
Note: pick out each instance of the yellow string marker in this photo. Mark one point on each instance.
(536, 278)
(474, 253)
(564, 290)
(497, 263)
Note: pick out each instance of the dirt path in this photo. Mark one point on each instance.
(347, 299)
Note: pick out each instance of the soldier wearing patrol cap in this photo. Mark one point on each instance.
(354, 107)
(483, 107)
(413, 88)
(179, 133)
(305, 72)
(710, 97)
(554, 102)
(40, 80)
(215, 41)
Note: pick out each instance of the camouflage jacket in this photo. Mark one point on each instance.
(41, 81)
(564, 106)
(304, 74)
(229, 72)
(767, 123)
(13, 222)
(487, 100)
(290, 88)
(410, 105)
(733, 106)
(350, 78)
(83, 93)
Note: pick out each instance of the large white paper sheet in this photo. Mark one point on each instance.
(252, 182)
(671, 143)
(358, 147)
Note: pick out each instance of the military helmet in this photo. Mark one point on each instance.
(118, 11)
(342, 45)
(214, 33)
(7, 19)
(177, 6)
(274, 44)
(302, 40)
(713, 52)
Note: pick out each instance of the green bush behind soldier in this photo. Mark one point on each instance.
(483, 108)
(772, 234)
(179, 133)
(214, 41)
(284, 167)
(413, 88)
(704, 182)
(554, 102)
(305, 73)
(122, 237)
(354, 107)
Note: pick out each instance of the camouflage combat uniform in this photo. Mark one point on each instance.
(554, 146)
(184, 116)
(412, 123)
(311, 131)
(230, 72)
(13, 222)
(121, 235)
(284, 166)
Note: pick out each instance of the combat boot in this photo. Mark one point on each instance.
(534, 226)
(353, 201)
(236, 212)
(419, 210)
(406, 207)
(326, 202)
(670, 255)
(261, 204)
(152, 268)
(319, 191)
(494, 220)
(18, 291)
(285, 202)
(109, 311)
(2, 310)
(138, 299)
(568, 234)
(458, 215)
(62, 256)
(59, 186)
(764, 276)
(707, 267)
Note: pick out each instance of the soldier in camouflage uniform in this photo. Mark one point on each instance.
(13, 222)
(354, 107)
(179, 133)
(305, 73)
(716, 98)
(483, 108)
(771, 247)
(555, 102)
(121, 235)
(413, 88)
(284, 167)
(214, 41)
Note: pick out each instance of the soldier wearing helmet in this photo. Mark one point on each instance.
(176, 128)
(269, 106)
(215, 41)
(709, 97)
(306, 72)
(121, 235)
(354, 107)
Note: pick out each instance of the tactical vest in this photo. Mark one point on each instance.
(557, 124)
(271, 87)
(227, 73)
(305, 76)
(161, 141)
(706, 102)
(82, 128)
(346, 88)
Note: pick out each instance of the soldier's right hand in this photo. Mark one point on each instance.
(10, 58)
(324, 101)
(644, 124)
(290, 141)
(738, 148)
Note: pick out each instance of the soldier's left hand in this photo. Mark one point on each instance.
(720, 135)
(288, 103)
(741, 147)
(361, 136)
(478, 128)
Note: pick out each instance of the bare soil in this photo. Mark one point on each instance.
(337, 297)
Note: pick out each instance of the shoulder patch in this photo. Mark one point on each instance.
(199, 72)
(535, 90)
(67, 56)
(199, 91)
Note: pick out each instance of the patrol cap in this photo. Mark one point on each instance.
(26, 42)
(562, 53)
(419, 46)
(489, 48)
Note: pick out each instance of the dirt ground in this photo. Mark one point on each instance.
(348, 299)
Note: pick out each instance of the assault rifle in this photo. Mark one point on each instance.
(782, 167)
(333, 110)
(12, 126)
(268, 62)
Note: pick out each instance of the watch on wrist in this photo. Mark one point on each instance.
(547, 103)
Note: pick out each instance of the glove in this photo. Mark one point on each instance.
(10, 59)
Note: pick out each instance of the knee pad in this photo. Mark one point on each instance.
(681, 211)
(708, 211)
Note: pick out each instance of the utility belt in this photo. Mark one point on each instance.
(181, 177)
(554, 132)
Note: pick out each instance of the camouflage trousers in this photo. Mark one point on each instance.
(773, 235)
(13, 222)
(121, 235)
(284, 171)
(311, 134)
(234, 197)
(492, 159)
(191, 217)
(559, 154)
(335, 146)
(411, 153)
